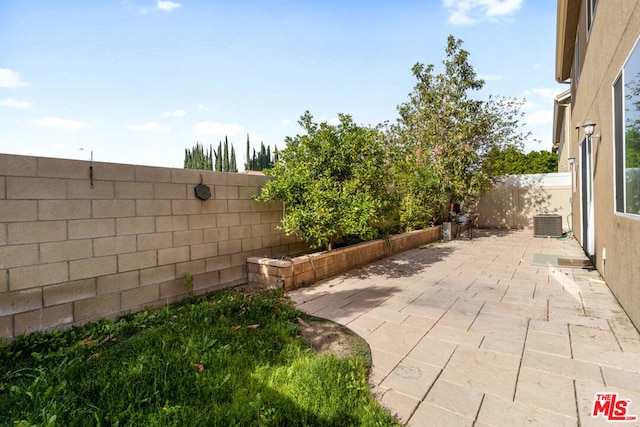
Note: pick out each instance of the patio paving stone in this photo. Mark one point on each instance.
(561, 365)
(484, 370)
(549, 343)
(456, 336)
(412, 378)
(404, 405)
(401, 337)
(543, 389)
(621, 378)
(455, 398)
(433, 351)
(431, 415)
(502, 345)
(500, 412)
(383, 364)
(471, 333)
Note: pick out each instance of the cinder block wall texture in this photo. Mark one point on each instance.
(514, 201)
(72, 252)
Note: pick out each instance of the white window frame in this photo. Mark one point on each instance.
(591, 13)
(619, 142)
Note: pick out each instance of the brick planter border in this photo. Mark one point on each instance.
(296, 272)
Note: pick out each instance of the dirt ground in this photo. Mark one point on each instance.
(324, 336)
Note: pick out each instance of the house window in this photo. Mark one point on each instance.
(591, 10)
(576, 66)
(626, 99)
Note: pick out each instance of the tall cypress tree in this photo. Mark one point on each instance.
(247, 163)
(225, 160)
(233, 166)
(269, 162)
(197, 158)
(263, 153)
(219, 157)
(262, 159)
(187, 158)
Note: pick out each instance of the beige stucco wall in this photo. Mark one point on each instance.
(70, 253)
(514, 201)
(614, 33)
(564, 150)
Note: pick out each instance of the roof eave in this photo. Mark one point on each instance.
(560, 103)
(566, 29)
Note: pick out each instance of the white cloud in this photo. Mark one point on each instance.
(490, 77)
(176, 113)
(459, 13)
(501, 7)
(58, 123)
(285, 122)
(14, 103)
(10, 78)
(539, 117)
(547, 93)
(540, 97)
(149, 127)
(465, 12)
(217, 129)
(167, 6)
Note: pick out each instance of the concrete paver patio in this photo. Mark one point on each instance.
(471, 332)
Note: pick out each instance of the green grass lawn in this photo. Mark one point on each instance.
(228, 359)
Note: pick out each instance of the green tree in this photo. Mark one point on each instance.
(542, 162)
(332, 180)
(632, 145)
(632, 123)
(512, 161)
(218, 154)
(247, 164)
(224, 162)
(233, 166)
(198, 158)
(260, 161)
(444, 129)
(225, 159)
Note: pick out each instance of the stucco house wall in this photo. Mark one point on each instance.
(595, 62)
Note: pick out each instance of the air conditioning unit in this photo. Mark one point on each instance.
(547, 225)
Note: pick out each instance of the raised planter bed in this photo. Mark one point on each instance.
(296, 272)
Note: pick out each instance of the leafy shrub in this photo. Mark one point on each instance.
(332, 181)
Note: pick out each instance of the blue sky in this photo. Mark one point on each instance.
(138, 81)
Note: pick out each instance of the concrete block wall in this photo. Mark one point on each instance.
(516, 199)
(72, 250)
